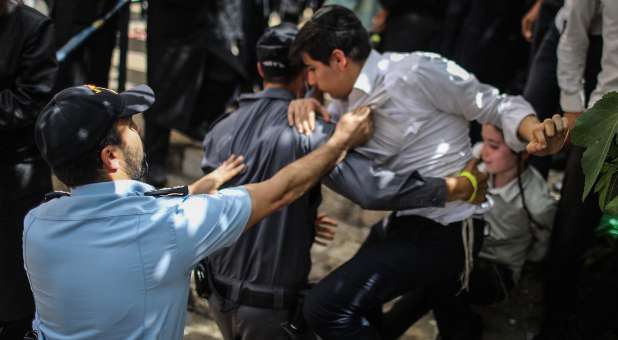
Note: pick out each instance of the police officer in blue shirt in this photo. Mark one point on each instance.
(111, 260)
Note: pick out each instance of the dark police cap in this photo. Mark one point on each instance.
(273, 48)
(78, 118)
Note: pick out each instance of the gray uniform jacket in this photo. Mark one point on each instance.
(275, 253)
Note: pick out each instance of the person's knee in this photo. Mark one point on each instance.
(332, 318)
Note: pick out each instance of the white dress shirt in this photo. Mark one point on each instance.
(423, 104)
(578, 20)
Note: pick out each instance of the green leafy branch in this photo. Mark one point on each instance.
(597, 131)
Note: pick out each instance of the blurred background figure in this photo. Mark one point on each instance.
(542, 29)
(90, 62)
(488, 42)
(366, 11)
(293, 11)
(409, 26)
(199, 54)
(27, 73)
(587, 68)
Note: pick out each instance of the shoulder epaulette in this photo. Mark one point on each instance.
(175, 191)
(56, 194)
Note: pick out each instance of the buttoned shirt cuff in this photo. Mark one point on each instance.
(572, 102)
(518, 109)
(435, 193)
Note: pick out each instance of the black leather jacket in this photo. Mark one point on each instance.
(27, 74)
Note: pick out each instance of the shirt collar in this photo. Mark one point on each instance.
(511, 190)
(368, 75)
(119, 188)
(273, 92)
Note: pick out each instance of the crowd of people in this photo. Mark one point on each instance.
(449, 114)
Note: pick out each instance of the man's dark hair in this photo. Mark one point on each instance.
(294, 68)
(86, 169)
(273, 54)
(332, 27)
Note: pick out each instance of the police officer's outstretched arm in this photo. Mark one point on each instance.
(295, 179)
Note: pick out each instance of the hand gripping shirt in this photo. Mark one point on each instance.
(108, 262)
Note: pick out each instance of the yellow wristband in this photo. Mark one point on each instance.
(475, 184)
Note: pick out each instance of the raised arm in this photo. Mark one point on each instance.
(445, 86)
(358, 179)
(608, 77)
(572, 52)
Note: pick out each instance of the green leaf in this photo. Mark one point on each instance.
(612, 207)
(603, 184)
(595, 130)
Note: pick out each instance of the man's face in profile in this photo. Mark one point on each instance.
(132, 148)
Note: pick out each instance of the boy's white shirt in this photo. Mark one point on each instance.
(512, 238)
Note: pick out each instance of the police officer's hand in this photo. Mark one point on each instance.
(325, 229)
(355, 128)
(209, 183)
(301, 114)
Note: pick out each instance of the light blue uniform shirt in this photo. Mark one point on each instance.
(110, 263)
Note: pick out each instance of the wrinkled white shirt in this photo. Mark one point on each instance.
(423, 105)
(578, 20)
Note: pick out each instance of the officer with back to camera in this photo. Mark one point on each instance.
(112, 261)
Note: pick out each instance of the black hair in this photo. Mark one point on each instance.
(293, 69)
(520, 185)
(332, 27)
(87, 168)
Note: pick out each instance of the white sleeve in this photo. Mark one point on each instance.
(608, 78)
(451, 89)
(572, 52)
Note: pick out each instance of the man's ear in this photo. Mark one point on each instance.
(260, 70)
(339, 59)
(110, 158)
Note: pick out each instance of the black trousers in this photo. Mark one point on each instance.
(597, 313)
(490, 283)
(22, 187)
(252, 323)
(414, 253)
(572, 235)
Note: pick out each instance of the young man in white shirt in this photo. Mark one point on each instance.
(422, 105)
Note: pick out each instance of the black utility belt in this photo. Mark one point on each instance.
(276, 299)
